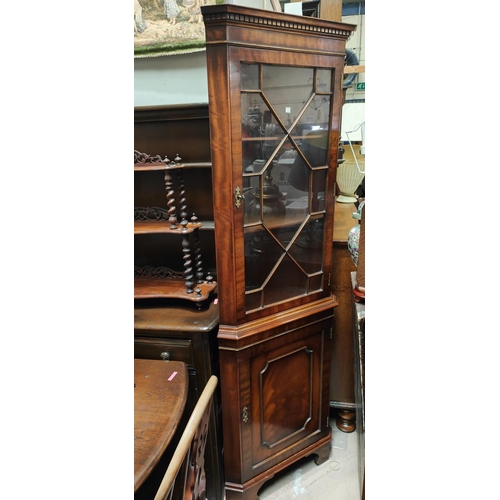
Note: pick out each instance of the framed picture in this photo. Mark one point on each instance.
(167, 27)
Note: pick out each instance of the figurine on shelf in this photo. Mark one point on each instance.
(271, 202)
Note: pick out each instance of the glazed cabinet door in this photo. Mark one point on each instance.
(283, 173)
(275, 101)
(285, 146)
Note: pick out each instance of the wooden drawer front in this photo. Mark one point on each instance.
(172, 349)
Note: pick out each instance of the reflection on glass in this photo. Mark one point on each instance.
(285, 166)
(324, 80)
(252, 126)
(315, 283)
(265, 200)
(307, 250)
(249, 76)
(318, 190)
(286, 282)
(253, 211)
(262, 253)
(286, 234)
(287, 89)
(274, 136)
(253, 300)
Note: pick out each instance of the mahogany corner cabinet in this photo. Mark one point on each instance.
(275, 98)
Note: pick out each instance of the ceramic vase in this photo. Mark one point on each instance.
(354, 234)
(348, 180)
(353, 243)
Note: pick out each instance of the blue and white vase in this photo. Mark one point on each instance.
(353, 236)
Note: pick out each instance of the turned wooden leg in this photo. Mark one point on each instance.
(346, 420)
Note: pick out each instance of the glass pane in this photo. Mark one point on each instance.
(324, 80)
(253, 300)
(271, 200)
(249, 76)
(262, 252)
(252, 136)
(286, 233)
(316, 115)
(273, 140)
(287, 89)
(307, 249)
(315, 283)
(253, 212)
(287, 281)
(285, 153)
(285, 160)
(318, 193)
(301, 170)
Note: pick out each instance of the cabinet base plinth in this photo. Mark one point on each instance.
(249, 490)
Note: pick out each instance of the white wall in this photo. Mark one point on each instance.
(356, 43)
(182, 79)
(177, 79)
(353, 113)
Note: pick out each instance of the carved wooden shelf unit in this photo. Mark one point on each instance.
(162, 282)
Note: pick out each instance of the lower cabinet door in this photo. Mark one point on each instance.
(287, 410)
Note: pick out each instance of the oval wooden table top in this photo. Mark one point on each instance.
(160, 395)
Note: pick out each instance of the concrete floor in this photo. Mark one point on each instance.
(336, 479)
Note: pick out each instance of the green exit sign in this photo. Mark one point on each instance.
(360, 86)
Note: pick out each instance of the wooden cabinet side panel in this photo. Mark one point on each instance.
(222, 181)
(342, 376)
(231, 414)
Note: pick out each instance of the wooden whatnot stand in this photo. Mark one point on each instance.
(173, 219)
